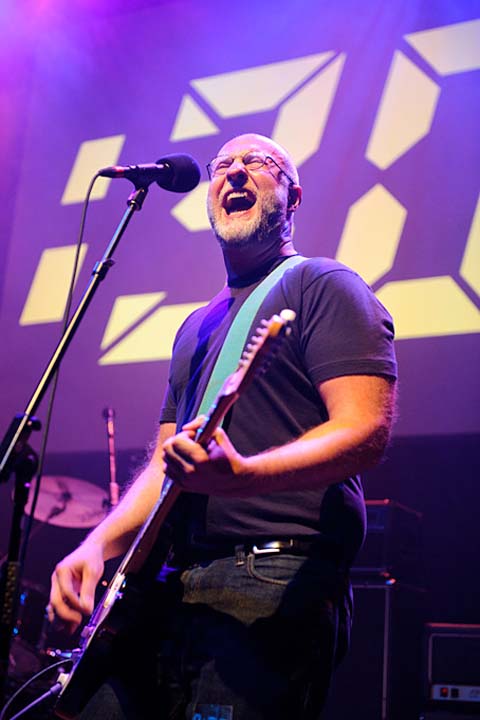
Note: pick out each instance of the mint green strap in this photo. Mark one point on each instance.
(234, 343)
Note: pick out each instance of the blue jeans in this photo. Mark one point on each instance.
(245, 638)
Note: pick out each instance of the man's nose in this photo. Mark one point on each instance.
(237, 174)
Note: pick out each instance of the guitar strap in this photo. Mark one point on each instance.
(237, 335)
(186, 532)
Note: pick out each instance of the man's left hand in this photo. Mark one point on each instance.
(217, 469)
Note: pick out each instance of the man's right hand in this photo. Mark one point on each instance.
(74, 580)
(72, 594)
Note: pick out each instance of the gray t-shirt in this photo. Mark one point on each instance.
(340, 329)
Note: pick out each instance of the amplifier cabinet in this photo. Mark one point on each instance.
(380, 679)
(438, 715)
(451, 669)
(393, 545)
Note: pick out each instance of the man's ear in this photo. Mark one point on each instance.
(294, 197)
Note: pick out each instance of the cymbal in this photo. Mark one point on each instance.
(68, 502)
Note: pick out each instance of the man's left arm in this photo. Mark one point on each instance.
(360, 411)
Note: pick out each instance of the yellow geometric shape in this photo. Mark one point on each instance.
(128, 310)
(470, 267)
(92, 156)
(48, 293)
(153, 339)
(371, 234)
(191, 211)
(259, 88)
(302, 119)
(429, 307)
(192, 122)
(405, 113)
(449, 49)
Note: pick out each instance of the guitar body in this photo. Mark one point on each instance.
(121, 606)
(98, 655)
(115, 621)
(92, 663)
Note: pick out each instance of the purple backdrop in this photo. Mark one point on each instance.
(82, 74)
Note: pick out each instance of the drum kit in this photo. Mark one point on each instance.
(66, 502)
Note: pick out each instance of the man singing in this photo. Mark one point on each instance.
(253, 611)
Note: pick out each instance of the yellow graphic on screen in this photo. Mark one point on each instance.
(127, 311)
(303, 90)
(47, 296)
(470, 267)
(92, 155)
(372, 233)
(450, 49)
(141, 330)
(430, 306)
(405, 114)
(244, 92)
(192, 122)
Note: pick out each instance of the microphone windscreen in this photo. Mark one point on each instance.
(184, 175)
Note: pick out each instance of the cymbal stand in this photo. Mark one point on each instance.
(113, 487)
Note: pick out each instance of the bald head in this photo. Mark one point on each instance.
(264, 144)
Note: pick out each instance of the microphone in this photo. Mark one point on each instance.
(178, 173)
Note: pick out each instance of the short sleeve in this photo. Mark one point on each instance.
(345, 329)
(168, 413)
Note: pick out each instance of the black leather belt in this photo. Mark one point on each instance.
(291, 546)
(317, 546)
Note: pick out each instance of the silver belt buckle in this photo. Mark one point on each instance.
(271, 547)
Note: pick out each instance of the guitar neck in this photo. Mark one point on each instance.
(260, 346)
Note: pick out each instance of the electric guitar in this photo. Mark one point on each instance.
(151, 547)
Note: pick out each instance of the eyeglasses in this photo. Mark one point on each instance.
(253, 161)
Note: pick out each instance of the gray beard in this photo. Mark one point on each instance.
(252, 232)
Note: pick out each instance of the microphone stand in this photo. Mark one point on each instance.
(18, 457)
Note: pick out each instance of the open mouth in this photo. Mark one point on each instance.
(238, 201)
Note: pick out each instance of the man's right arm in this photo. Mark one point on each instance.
(76, 576)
